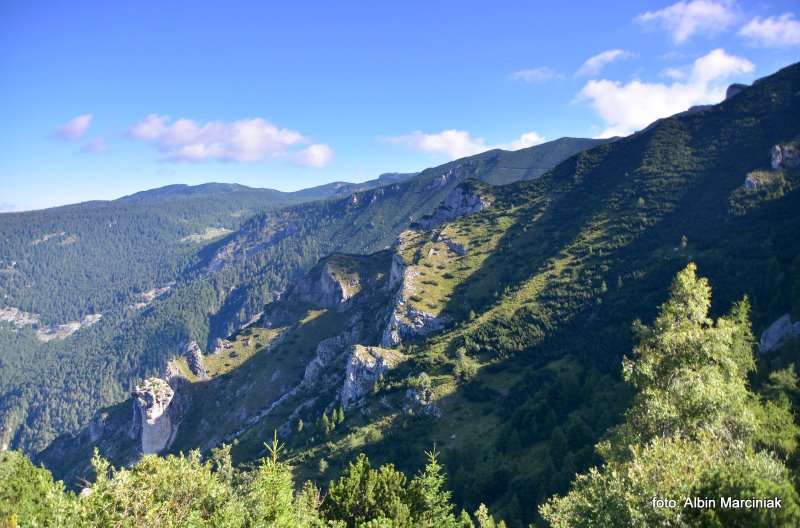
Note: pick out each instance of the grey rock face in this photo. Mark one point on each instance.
(325, 289)
(785, 156)
(420, 401)
(326, 353)
(364, 366)
(151, 402)
(734, 89)
(453, 246)
(409, 323)
(194, 358)
(777, 333)
(461, 201)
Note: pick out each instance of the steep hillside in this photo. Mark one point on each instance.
(126, 285)
(494, 328)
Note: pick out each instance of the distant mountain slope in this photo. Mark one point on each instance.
(532, 162)
(164, 267)
(334, 189)
(509, 307)
(218, 190)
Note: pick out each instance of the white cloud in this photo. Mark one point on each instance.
(6, 207)
(95, 145)
(316, 155)
(596, 63)
(459, 143)
(536, 75)
(75, 128)
(245, 140)
(684, 19)
(528, 139)
(632, 106)
(773, 31)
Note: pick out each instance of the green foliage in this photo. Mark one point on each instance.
(364, 494)
(30, 497)
(430, 500)
(694, 428)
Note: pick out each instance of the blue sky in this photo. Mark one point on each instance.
(102, 99)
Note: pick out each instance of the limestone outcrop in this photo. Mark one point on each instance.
(461, 201)
(734, 89)
(327, 351)
(785, 156)
(194, 359)
(780, 331)
(364, 366)
(406, 322)
(152, 420)
(331, 289)
(420, 401)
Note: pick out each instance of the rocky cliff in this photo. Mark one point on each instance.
(152, 419)
(194, 359)
(464, 199)
(328, 344)
(365, 365)
(778, 333)
(785, 156)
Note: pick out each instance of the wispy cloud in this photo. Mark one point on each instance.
(684, 19)
(675, 73)
(6, 207)
(536, 75)
(75, 128)
(245, 140)
(95, 146)
(777, 32)
(458, 143)
(596, 63)
(627, 107)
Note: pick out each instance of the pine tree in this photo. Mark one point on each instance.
(363, 494)
(326, 423)
(430, 499)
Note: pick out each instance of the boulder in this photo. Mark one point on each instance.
(194, 359)
(778, 333)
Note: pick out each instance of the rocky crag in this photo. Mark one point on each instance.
(337, 332)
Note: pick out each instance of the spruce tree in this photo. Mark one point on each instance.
(430, 499)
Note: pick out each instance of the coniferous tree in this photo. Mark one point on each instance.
(430, 498)
(694, 428)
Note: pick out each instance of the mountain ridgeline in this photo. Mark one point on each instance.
(100, 295)
(487, 320)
